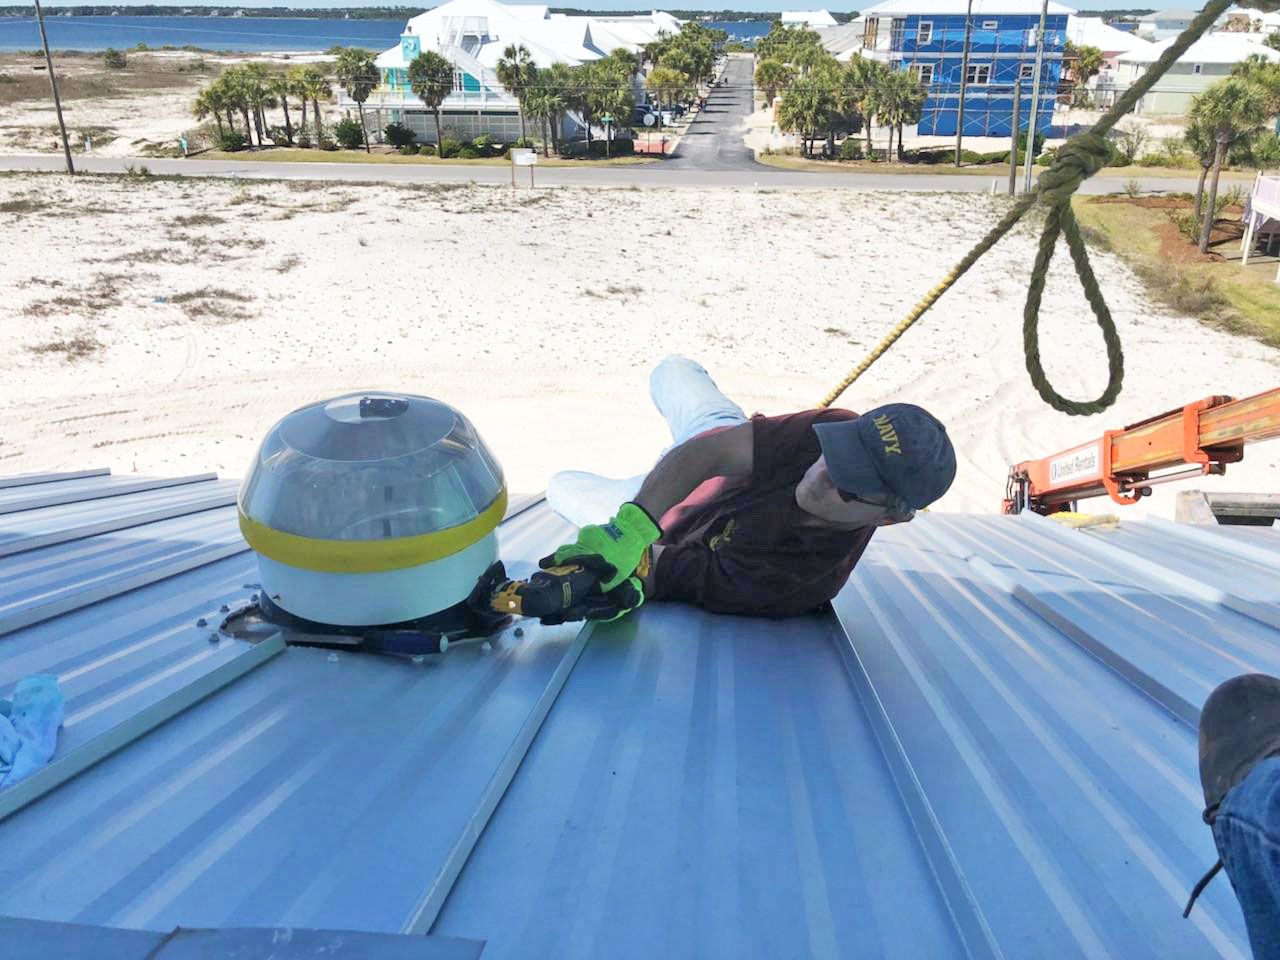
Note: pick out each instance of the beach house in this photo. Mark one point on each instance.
(928, 38)
(1207, 60)
(1092, 32)
(472, 35)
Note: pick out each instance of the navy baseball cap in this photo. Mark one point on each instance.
(898, 449)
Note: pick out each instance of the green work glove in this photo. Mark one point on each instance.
(611, 551)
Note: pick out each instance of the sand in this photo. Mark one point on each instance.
(128, 123)
(206, 310)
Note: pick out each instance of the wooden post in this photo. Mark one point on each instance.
(1013, 146)
(53, 83)
(964, 80)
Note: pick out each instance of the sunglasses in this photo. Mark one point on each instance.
(896, 508)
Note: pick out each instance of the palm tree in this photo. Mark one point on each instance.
(431, 80)
(315, 86)
(1266, 74)
(281, 89)
(863, 78)
(772, 75)
(1088, 61)
(1233, 109)
(296, 81)
(1200, 140)
(204, 105)
(807, 108)
(358, 75)
(516, 72)
(257, 89)
(665, 85)
(550, 100)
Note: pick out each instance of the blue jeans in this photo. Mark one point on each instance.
(1247, 833)
(691, 403)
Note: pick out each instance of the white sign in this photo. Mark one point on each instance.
(524, 157)
(1078, 464)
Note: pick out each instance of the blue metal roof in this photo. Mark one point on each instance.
(987, 748)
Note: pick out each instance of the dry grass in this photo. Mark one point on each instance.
(85, 78)
(197, 220)
(73, 349)
(215, 303)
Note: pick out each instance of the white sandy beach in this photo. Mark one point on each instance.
(209, 309)
(130, 123)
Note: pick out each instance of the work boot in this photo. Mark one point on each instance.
(1239, 728)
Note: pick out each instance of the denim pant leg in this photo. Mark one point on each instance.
(1247, 832)
(688, 398)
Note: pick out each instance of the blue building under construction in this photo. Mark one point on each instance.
(927, 38)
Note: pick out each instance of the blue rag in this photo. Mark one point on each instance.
(29, 728)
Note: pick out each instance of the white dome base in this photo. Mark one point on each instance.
(367, 599)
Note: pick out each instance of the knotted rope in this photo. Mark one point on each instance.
(1078, 159)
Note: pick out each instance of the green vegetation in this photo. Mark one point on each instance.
(822, 98)
(114, 59)
(358, 76)
(1220, 294)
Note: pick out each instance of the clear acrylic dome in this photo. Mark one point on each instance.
(370, 466)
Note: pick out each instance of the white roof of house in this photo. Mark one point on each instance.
(1175, 13)
(1092, 32)
(1211, 48)
(814, 18)
(904, 8)
(550, 38)
(843, 38)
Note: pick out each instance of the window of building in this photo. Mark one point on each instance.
(924, 33)
(1197, 68)
(990, 24)
(978, 73)
(923, 73)
(1026, 71)
(897, 30)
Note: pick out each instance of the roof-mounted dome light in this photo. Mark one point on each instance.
(372, 508)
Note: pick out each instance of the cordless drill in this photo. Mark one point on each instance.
(553, 595)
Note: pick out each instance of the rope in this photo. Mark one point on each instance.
(1079, 158)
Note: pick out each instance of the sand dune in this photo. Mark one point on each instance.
(162, 326)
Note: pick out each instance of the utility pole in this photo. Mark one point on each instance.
(1013, 137)
(53, 82)
(964, 78)
(1035, 96)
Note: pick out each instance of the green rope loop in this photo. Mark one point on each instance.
(1078, 159)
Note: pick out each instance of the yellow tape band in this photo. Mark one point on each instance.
(370, 556)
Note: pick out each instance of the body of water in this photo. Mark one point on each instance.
(236, 33)
(744, 31)
(211, 33)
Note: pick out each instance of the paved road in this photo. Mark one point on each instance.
(714, 140)
(643, 175)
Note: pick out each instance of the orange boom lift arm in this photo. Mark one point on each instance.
(1197, 439)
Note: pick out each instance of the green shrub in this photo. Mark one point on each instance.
(141, 47)
(851, 149)
(468, 151)
(1045, 159)
(483, 143)
(1037, 143)
(231, 141)
(426, 149)
(398, 135)
(303, 139)
(278, 135)
(526, 143)
(326, 144)
(448, 148)
(348, 133)
(409, 150)
(114, 59)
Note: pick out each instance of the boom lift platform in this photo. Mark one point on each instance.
(1198, 439)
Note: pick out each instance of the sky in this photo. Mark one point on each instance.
(631, 5)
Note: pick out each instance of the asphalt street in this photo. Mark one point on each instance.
(714, 138)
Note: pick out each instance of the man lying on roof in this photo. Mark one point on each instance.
(764, 516)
